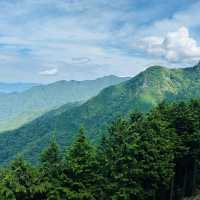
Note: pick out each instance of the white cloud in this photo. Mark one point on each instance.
(49, 72)
(175, 46)
(40, 37)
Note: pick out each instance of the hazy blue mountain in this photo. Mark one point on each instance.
(141, 93)
(15, 87)
(17, 109)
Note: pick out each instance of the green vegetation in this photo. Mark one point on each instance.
(140, 93)
(19, 108)
(152, 156)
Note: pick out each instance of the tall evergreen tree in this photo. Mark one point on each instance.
(80, 164)
(118, 164)
(50, 171)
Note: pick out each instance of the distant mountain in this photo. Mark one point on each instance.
(17, 109)
(140, 93)
(15, 87)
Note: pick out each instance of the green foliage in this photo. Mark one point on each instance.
(17, 181)
(80, 162)
(51, 154)
(140, 93)
(17, 109)
(152, 156)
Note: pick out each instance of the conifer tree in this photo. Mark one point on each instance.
(18, 181)
(118, 164)
(80, 164)
(50, 171)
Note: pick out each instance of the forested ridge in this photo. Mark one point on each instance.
(152, 156)
(19, 108)
(142, 93)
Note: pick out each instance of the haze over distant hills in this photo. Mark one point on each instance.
(141, 93)
(15, 87)
(21, 107)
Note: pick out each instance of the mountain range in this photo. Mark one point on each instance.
(141, 93)
(18, 108)
(15, 87)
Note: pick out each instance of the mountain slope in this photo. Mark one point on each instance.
(139, 93)
(19, 108)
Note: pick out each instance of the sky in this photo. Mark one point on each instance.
(49, 40)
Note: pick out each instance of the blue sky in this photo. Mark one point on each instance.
(49, 40)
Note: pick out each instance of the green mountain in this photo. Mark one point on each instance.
(17, 109)
(139, 93)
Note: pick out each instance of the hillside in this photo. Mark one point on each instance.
(153, 156)
(139, 93)
(150, 156)
(17, 109)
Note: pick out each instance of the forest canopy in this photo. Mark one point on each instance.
(152, 156)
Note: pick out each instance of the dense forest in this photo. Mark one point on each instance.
(152, 156)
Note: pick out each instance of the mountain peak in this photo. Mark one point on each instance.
(141, 93)
(156, 68)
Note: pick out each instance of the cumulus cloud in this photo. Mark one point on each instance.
(39, 35)
(49, 72)
(174, 46)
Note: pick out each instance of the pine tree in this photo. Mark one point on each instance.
(51, 155)
(80, 164)
(18, 181)
(50, 171)
(118, 165)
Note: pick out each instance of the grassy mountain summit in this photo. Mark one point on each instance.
(17, 109)
(141, 93)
